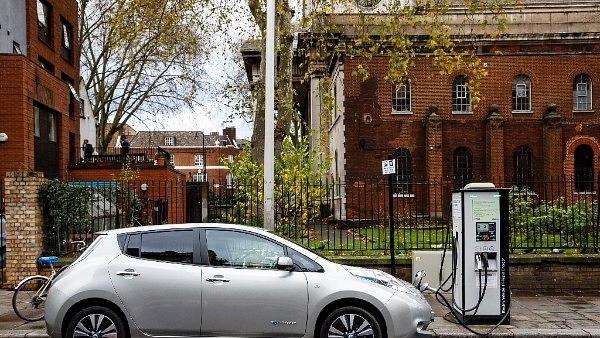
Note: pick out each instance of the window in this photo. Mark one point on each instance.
(461, 99)
(73, 97)
(172, 159)
(36, 122)
(241, 250)
(16, 48)
(401, 98)
(582, 93)
(521, 93)
(82, 109)
(230, 158)
(402, 179)
(463, 167)
(169, 141)
(584, 168)
(44, 24)
(169, 246)
(52, 128)
(66, 41)
(199, 160)
(523, 171)
(229, 180)
(199, 177)
(46, 64)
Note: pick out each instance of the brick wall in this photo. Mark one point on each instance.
(24, 225)
(537, 273)
(383, 132)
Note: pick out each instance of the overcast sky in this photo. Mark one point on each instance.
(213, 115)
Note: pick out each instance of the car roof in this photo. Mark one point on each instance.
(184, 226)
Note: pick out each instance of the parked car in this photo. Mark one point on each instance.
(224, 280)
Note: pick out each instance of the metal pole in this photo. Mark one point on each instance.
(269, 169)
(391, 215)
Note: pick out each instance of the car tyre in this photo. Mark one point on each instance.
(97, 322)
(351, 321)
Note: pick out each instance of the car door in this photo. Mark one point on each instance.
(158, 283)
(244, 294)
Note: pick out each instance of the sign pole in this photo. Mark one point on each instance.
(389, 168)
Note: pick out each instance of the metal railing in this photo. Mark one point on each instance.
(115, 154)
(351, 217)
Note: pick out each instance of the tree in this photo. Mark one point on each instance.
(285, 93)
(142, 57)
(446, 30)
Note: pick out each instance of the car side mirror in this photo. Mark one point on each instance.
(285, 263)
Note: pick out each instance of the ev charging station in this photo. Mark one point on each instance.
(481, 286)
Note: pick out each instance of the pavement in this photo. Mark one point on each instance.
(554, 315)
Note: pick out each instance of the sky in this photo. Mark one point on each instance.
(213, 115)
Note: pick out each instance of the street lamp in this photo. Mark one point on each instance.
(203, 156)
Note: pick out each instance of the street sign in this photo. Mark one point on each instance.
(388, 166)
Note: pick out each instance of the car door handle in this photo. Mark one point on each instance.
(128, 273)
(217, 279)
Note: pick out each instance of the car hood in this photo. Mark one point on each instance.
(382, 278)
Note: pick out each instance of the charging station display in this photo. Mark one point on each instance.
(481, 293)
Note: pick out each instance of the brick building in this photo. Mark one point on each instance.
(536, 119)
(39, 71)
(198, 156)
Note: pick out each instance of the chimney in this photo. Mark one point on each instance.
(230, 132)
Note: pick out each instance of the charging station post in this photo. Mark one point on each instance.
(481, 290)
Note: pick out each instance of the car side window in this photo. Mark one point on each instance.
(171, 246)
(241, 250)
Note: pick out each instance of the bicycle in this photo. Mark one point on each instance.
(29, 298)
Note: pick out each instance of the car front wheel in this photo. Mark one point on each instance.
(96, 322)
(350, 321)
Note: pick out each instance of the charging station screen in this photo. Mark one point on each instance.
(485, 231)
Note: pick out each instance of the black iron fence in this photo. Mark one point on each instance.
(350, 217)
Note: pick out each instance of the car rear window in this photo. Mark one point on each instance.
(171, 246)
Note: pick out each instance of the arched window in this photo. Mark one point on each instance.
(402, 180)
(523, 172)
(463, 167)
(521, 93)
(582, 92)
(461, 99)
(401, 97)
(584, 168)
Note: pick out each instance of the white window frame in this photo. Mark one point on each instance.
(198, 160)
(521, 87)
(401, 93)
(169, 141)
(199, 177)
(229, 180)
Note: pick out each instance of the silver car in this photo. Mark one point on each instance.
(224, 280)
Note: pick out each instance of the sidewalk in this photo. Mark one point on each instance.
(570, 315)
(534, 315)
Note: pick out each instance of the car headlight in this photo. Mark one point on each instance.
(390, 281)
(383, 278)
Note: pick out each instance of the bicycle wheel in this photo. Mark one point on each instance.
(29, 299)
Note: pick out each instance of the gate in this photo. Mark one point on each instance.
(196, 202)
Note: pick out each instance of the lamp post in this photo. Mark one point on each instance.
(205, 178)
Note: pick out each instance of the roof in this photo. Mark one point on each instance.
(180, 139)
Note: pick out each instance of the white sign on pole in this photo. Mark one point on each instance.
(388, 166)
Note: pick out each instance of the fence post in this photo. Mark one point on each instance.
(24, 225)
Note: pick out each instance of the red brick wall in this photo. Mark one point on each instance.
(23, 82)
(384, 132)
